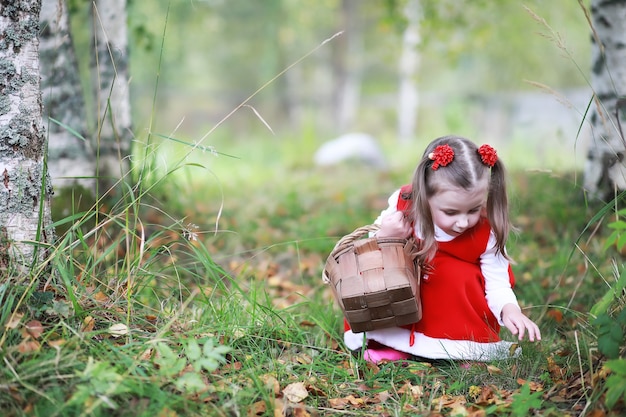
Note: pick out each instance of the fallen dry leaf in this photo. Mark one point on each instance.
(533, 385)
(295, 392)
(88, 324)
(257, 409)
(271, 383)
(355, 400)
(14, 321)
(34, 328)
(493, 370)
(338, 403)
(101, 297)
(450, 401)
(56, 343)
(415, 391)
(28, 345)
(118, 329)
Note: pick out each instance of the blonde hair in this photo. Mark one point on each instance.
(465, 171)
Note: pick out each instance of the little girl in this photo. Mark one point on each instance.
(457, 209)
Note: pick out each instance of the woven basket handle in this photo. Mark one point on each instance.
(346, 241)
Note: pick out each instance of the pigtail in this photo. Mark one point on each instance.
(421, 214)
(498, 206)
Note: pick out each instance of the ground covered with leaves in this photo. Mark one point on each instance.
(188, 302)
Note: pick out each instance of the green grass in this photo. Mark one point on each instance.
(155, 312)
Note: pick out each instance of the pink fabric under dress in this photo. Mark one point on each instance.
(462, 295)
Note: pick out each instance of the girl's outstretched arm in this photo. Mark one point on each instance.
(519, 324)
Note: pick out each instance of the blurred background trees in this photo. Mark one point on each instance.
(92, 152)
(512, 74)
(215, 53)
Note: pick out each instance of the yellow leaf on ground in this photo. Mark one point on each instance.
(88, 324)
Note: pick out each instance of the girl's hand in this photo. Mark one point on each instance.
(395, 225)
(519, 324)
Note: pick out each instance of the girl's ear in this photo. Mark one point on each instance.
(483, 211)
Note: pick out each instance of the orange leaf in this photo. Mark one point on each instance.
(556, 315)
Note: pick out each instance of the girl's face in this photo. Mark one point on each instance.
(454, 210)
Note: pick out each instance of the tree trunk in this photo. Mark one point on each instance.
(347, 73)
(408, 99)
(71, 159)
(605, 173)
(25, 188)
(111, 70)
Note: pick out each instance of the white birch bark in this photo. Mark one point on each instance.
(25, 221)
(605, 172)
(408, 97)
(71, 159)
(114, 134)
(347, 71)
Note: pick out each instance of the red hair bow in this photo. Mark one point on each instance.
(488, 155)
(442, 156)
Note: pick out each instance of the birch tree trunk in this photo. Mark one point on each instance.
(408, 98)
(347, 72)
(71, 159)
(605, 173)
(114, 134)
(25, 221)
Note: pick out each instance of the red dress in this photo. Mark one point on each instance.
(453, 291)
(457, 321)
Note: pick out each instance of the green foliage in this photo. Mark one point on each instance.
(616, 382)
(525, 401)
(618, 235)
(609, 313)
(608, 318)
(611, 331)
(99, 384)
(202, 356)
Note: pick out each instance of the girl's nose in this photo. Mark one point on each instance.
(462, 222)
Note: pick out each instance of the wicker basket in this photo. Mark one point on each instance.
(376, 281)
